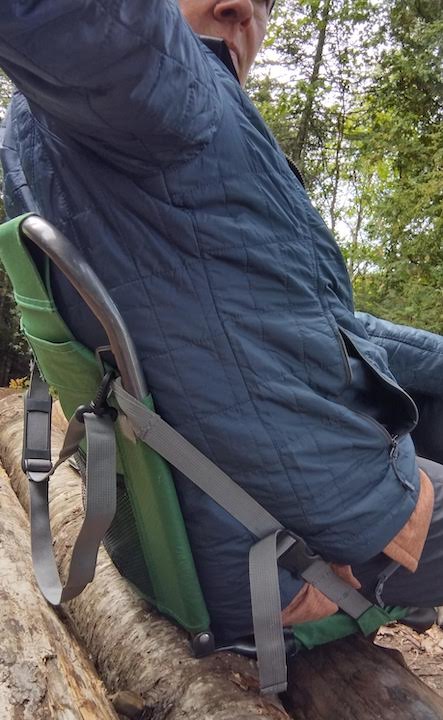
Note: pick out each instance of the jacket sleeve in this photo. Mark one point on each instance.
(416, 360)
(415, 356)
(129, 77)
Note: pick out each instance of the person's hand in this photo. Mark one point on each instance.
(310, 604)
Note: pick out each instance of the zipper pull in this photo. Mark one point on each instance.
(394, 448)
(393, 455)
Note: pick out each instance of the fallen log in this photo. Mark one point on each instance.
(353, 678)
(135, 649)
(44, 674)
(138, 651)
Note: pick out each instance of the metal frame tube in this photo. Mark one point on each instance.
(68, 259)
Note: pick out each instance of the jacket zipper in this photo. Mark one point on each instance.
(393, 440)
(345, 355)
(382, 378)
(398, 390)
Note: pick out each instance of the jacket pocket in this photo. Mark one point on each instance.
(376, 396)
(69, 367)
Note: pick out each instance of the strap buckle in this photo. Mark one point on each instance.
(298, 557)
(99, 405)
(35, 468)
(300, 560)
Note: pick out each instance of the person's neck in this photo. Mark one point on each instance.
(219, 48)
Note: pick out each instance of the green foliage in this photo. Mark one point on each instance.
(5, 96)
(357, 101)
(402, 149)
(14, 358)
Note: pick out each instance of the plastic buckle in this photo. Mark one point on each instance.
(99, 406)
(298, 557)
(36, 469)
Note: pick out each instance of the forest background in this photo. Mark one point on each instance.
(353, 91)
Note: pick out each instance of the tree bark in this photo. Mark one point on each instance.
(44, 674)
(138, 651)
(133, 647)
(352, 678)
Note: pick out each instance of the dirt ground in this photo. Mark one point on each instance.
(423, 653)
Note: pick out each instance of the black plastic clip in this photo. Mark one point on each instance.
(298, 557)
(99, 405)
(382, 578)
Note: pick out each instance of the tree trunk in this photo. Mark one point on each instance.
(137, 650)
(306, 116)
(336, 173)
(44, 674)
(352, 678)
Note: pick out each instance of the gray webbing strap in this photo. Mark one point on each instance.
(266, 611)
(275, 541)
(321, 575)
(162, 438)
(100, 505)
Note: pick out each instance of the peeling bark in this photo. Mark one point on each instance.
(44, 674)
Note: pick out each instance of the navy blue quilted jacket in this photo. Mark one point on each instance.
(132, 138)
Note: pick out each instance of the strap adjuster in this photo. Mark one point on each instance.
(36, 469)
(298, 557)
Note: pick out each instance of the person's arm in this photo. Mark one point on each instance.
(416, 360)
(128, 77)
(415, 356)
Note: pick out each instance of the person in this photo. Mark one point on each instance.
(132, 137)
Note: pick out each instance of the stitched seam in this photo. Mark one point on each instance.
(255, 243)
(109, 13)
(177, 375)
(406, 342)
(223, 333)
(215, 183)
(220, 411)
(269, 482)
